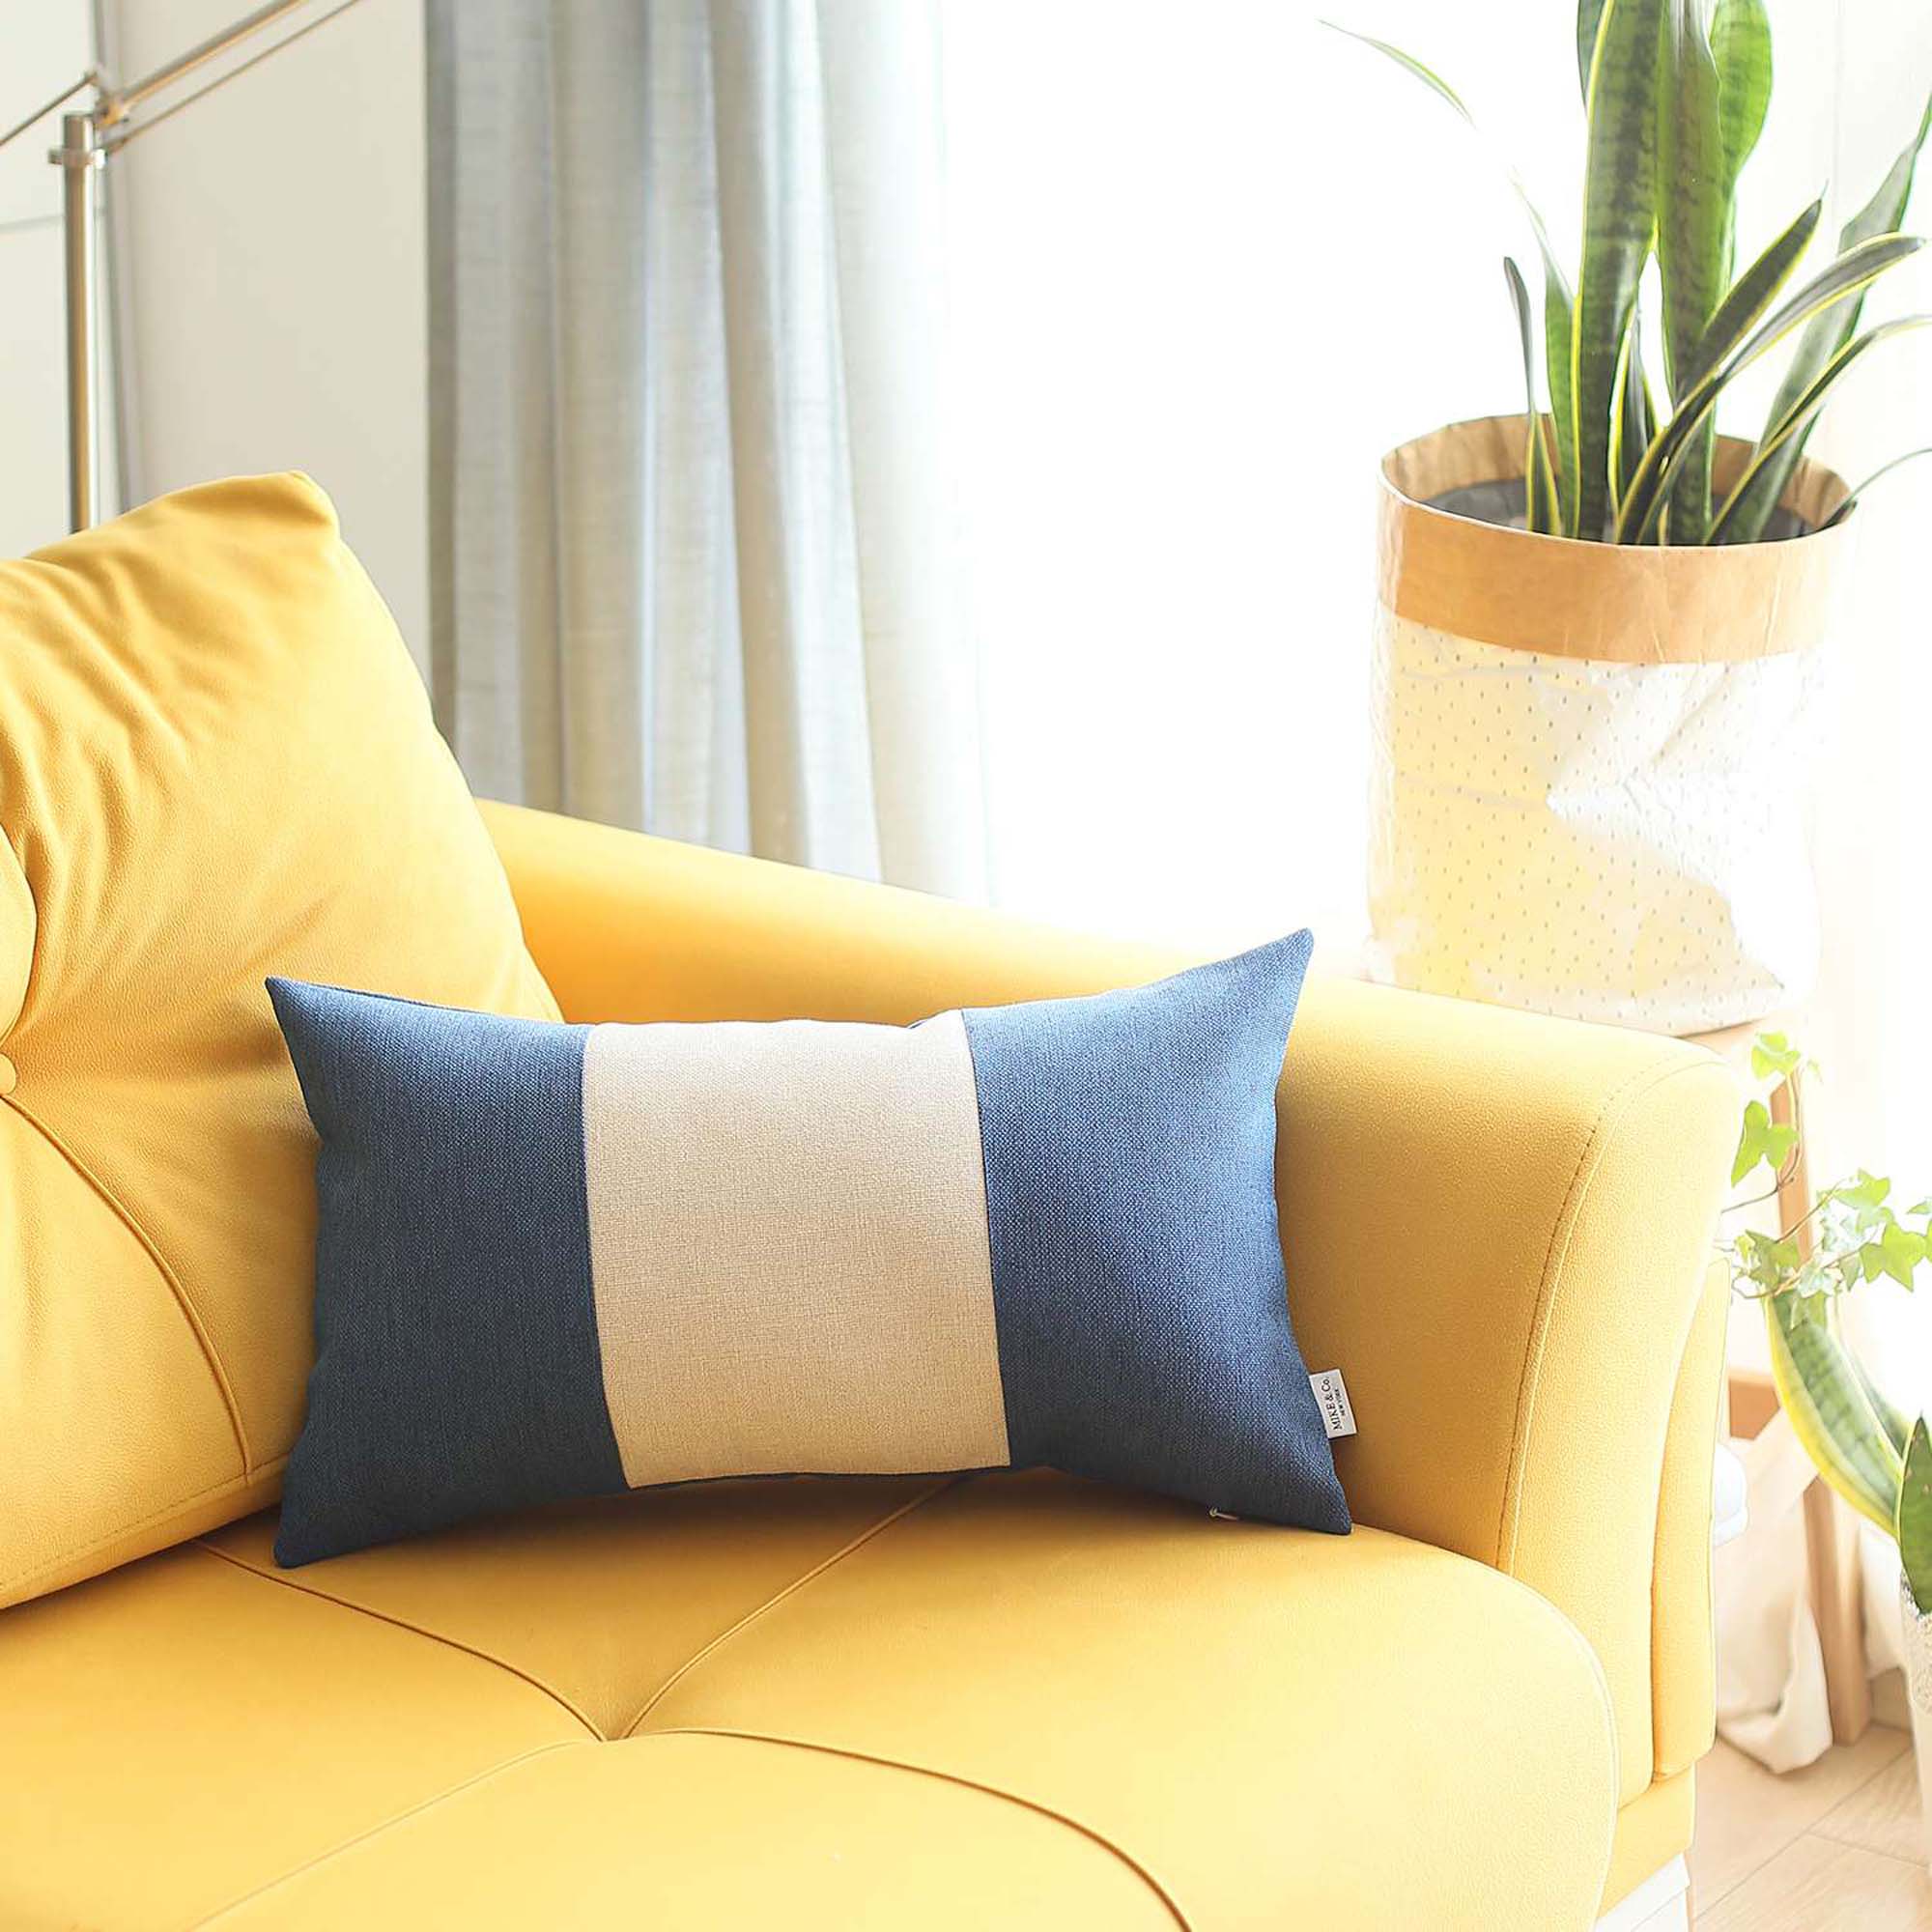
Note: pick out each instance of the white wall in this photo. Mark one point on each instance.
(272, 244)
(1209, 266)
(43, 45)
(1872, 1030)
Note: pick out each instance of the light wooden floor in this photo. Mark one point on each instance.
(1836, 1847)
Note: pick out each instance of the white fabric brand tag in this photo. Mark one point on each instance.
(1331, 1393)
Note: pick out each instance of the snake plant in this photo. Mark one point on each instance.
(1862, 1445)
(1675, 96)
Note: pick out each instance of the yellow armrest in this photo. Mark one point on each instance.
(1497, 1225)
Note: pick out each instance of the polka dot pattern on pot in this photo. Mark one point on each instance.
(1619, 842)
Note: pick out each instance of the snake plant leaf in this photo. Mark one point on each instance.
(1558, 303)
(1440, 88)
(1636, 415)
(1693, 225)
(1892, 1419)
(1560, 324)
(1692, 199)
(1801, 414)
(1851, 504)
(1619, 222)
(1913, 1524)
(1589, 18)
(1851, 273)
(1750, 297)
(1428, 76)
(1819, 1390)
(1542, 512)
(1753, 291)
(1882, 215)
(1740, 46)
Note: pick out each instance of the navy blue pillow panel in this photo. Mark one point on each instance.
(1045, 1233)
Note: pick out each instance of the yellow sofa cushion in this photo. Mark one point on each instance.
(1012, 1700)
(216, 762)
(1497, 1225)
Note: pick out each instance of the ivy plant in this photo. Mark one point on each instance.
(1869, 1451)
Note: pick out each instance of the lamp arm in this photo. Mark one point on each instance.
(116, 101)
(112, 105)
(91, 78)
(117, 131)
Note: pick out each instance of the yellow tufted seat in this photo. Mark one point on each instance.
(970, 1702)
(1013, 1701)
(1000, 1700)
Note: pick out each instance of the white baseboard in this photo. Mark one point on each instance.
(1662, 1903)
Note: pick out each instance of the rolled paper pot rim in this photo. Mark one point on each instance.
(1609, 603)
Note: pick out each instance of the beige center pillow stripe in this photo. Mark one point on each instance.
(788, 1249)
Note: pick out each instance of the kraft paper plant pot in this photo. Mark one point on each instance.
(1590, 759)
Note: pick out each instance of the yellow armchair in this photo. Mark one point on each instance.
(1009, 1700)
(1499, 1226)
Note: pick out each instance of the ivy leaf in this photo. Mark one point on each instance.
(1862, 1190)
(1771, 1262)
(1898, 1250)
(1762, 1140)
(1814, 1280)
(1772, 1053)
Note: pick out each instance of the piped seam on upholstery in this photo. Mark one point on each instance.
(1589, 1165)
(1032, 1804)
(180, 1506)
(34, 939)
(535, 1683)
(170, 1279)
(817, 1569)
(1589, 1162)
(494, 1772)
(1658, 1766)
(377, 1830)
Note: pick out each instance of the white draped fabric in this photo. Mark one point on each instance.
(693, 549)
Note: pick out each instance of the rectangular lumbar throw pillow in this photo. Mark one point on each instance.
(555, 1261)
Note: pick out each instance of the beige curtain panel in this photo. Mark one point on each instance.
(693, 561)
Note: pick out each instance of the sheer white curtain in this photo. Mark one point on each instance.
(1874, 1028)
(692, 555)
(1211, 262)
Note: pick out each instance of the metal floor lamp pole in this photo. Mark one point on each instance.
(77, 157)
(88, 138)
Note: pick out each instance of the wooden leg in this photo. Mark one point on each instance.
(1831, 1530)
(1753, 1401)
(1794, 1184)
